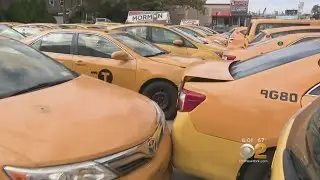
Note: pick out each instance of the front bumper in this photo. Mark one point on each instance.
(203, 155)
(159, 168)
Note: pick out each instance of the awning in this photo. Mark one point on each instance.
(220, 14)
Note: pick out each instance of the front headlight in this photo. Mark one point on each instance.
(87, 170)
(160, 116)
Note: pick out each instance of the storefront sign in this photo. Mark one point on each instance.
(190, 22)
(239, 5)
(162, 17)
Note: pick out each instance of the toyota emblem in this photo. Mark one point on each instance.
(152, 144)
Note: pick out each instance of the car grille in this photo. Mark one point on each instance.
(127, 168)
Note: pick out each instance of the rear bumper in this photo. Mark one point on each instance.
(203, 155)
(159, 168)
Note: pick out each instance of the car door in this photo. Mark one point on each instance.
(58, 46)
(164, 38)
(93, 58)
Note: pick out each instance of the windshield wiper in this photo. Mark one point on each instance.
(157, 54)
(35, 88)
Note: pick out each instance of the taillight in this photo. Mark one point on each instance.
(189, 100)
(229, 57)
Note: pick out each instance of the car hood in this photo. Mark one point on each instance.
(72, 122)
(215, 70)
(180, 61)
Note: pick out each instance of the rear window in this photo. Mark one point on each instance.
(261, 27)
(259, 37)
(295, 32)
(241, 69)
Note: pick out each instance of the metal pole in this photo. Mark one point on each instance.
(64, 11)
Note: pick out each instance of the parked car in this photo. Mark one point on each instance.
(278, 32)
(57, 124)
(267, 46)
(174, 40)
(119, 58)
(297, 154)
(225, 105)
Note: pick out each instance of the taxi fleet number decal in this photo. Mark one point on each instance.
(105, 75)
(282, 96)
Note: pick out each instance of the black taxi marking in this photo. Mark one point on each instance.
(94, 72)
(105, 75)
(282, 96)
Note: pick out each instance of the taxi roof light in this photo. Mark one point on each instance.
(189, 100)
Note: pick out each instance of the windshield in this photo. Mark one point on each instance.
(22, 68)
(138, 45)
(10, 33)
(259, 37)
(194, 33)
(195, 39)
(241, 69)
(204, 31)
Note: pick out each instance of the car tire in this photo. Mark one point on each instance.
(255, 171)
(165, 95)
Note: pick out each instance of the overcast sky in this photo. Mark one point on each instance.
(275, 5)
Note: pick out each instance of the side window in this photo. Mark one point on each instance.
(138, 31)
(305, 40)
(315, 91)
(96, 46)
(55, 42)
(164, 36)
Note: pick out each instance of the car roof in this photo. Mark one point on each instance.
(290, 28)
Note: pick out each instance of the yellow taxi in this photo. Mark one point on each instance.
(297, 153)
(278, 32)
(174, 40)
(267, 46)
(57, 124)
(119, 58)
(231, 113)
(257, 25)
(203, 34)
(237, 37)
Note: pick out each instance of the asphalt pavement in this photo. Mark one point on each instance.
(177, 175)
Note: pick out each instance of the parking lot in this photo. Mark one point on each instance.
(86, 88)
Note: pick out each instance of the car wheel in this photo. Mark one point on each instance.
(165, 95)
(257, 170)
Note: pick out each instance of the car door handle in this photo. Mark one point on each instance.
(80, 63)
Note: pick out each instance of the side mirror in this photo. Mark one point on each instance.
(178, 42)
(120, 55)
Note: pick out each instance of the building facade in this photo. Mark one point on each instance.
(218, 15)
